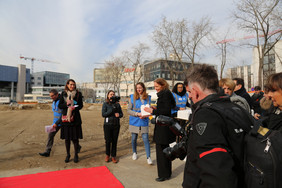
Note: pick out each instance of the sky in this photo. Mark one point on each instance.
(82, 34)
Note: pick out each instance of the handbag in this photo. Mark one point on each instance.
(65, 118)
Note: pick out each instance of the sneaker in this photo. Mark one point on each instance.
(134, 156)
(149, 161)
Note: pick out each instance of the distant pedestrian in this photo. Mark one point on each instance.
(112, 113)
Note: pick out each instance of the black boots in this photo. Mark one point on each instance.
(75, 158)
(45, 154)
(67, 159)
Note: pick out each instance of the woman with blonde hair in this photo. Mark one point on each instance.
(137, 122)
(228, 86)
(163, 136)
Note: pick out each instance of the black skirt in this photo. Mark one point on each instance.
(71, 132)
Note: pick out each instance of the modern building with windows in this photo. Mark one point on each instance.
(272, 64)
(43, 82)
(170, 70)
(14, 82)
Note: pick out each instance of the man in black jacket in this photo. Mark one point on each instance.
(241, 91)
(211, 153)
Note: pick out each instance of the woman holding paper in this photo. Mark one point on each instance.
(71, 103)
(138, 119)
(163, 136)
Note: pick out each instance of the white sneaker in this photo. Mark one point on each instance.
(149, 161)
(134, 156)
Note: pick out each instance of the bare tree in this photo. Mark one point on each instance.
(135, 59)
(165, 37)
(113, 71)
(179, 39)
(263, 18)
(193, 41)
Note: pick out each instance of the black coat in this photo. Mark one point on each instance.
(256, 102)
(243, 93)
(274, 120)
(162, 134)
(63, 105)
(209, 162)
(108, 112)
(71, 130)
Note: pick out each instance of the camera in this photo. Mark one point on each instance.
(114, 99)
(179, 150)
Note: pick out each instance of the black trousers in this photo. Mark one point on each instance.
(111, 133)
(163, 163)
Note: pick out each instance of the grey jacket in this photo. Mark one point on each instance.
(240, 101)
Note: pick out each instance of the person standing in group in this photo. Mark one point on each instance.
(137, 122)
(214, 148)
(274, 120)
(71, 103)
(112, 113)
(228, 86)
(163, 136)
(181, 98)
(54, 95)
(256, 97)
(241, 91)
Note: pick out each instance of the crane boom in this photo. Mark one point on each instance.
(32, 59)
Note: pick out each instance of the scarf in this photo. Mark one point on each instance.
(70, 96)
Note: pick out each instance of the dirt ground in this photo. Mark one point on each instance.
(22, 137)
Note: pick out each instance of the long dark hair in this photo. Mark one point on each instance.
(107, 99)
(175, 90)
(68, 81)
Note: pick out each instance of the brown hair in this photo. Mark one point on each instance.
(228, 82)
(205, 75)
(144, 94)
(107, 99)
(163, 83)
(68, 81)
(274, 81)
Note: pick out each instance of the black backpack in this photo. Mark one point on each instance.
(259, 159)
(263, 158)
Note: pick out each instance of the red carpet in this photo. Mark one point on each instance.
(83, 177)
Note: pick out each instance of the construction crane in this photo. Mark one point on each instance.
(32, 59)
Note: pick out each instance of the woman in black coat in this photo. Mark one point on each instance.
(112, 113)
(71, 103)
(163, 136)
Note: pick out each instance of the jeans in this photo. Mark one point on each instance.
(145, 138)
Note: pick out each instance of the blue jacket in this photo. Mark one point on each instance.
(57, 112)
(180, 101)
(136, 107)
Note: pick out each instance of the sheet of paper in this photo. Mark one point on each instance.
(184, 114)
(49, 128)
(143, 112)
